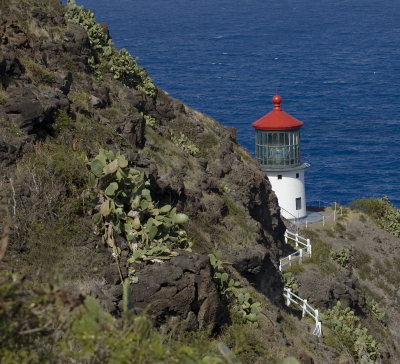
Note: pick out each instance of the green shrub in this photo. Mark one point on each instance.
(386, 215)
(184, 143)
(150, 121)
(344, 322)
(342, 257)
(375, 309)
(38, 73)
(290, 282)
(231, 292)
(120, 63)
(33, 321)
(246, 345)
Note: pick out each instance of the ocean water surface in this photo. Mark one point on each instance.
(336, 65)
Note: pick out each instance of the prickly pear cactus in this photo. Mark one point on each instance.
(232, 293)
(124, 206)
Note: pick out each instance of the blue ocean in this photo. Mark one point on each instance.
(336, 65)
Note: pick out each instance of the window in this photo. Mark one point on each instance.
(298, 203)
(278, 148)
(279, 176)
(297, 175)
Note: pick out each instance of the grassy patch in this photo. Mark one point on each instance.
(296, 268)
(361, 261)
(245, 156)
(321, 257)
(240, 219)
(385, 214)
(3, 96)
(206, 143)
(340, 228)
(9, 127)
(330, 232)
(80, 98)
(38, 73)
(245, 343)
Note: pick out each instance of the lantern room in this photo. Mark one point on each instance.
(278, 152)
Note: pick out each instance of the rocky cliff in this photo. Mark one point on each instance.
(55, 108)
(65, 94)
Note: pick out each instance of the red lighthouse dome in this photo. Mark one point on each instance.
(277, 119)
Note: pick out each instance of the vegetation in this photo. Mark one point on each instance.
(120, 63)
(342, 257)
(38, 73)
(184, 143)
(125, 207)
(232, 293)
(321, 257)
(32, 322)
(290, 282)
(361, 260)
(375, 309)
(346, 325)
(386, 215)
(150, 121)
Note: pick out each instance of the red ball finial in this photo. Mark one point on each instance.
(277, 102)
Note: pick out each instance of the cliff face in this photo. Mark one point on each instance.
(60, 102)
(53, 110)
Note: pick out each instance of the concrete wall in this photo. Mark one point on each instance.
(288, 189)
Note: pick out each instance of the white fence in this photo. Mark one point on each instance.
(297, 256)
(306, 308)
(298, 240)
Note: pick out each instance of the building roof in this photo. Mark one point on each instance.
(277, 119)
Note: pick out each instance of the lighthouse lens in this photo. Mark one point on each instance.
(278, 149)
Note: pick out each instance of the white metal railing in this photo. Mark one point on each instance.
(297, 256)
(298, 239)
(290, 297)
(294, 258)
(337, 210)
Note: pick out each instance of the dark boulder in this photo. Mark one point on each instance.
(182, 286)
(31, 109)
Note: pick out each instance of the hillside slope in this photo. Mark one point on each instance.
(68, 94)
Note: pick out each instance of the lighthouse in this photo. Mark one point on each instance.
(278, 151)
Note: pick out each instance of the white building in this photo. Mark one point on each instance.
(278, 151)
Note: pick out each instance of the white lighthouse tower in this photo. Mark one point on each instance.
(278, 151)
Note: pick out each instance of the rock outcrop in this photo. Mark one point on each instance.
(44, 69)
(179, 287)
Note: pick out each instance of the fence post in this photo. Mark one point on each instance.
(290, 260)
(334, 214)
(288, 297)
(280, 265)
(323, 220)
(301, 255)
(297, 239)
(304, 308)
(286, 235)
(317, 330)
